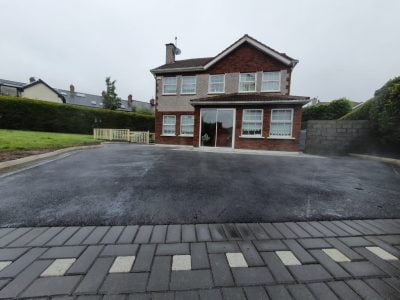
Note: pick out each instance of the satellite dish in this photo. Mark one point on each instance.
(177, 51)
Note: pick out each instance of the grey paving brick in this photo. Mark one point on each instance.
(217, 232)
(362, 269)
(61, 298)
(172, 249)
(187, 295)
(258, 231)
(159, 234)
(272, 232)
(45, 236)
(232, 233)
(214, 294)
(12, 236)
(344, 249)
(140, 296)
(4, 282)
(173, 234)
(95, 276)
(144, 258)
(160, 274)
(28, 237)
(84, 262)
(11, 253)
(299, 252)
(300, 232)
(5, 231)
(245, 232)
(310, 229)
(250, 253)
(221, 271)
(199, 256)
(347, 228)
(315, 243)
(233, 293)
(203, 233)
(114, 297)
(330, 265)
(309, 273)
(124, 283)
(383, 289)
(80, 235)
(335, 229)
(22, 262)
(321, 291)
(357, 227)
(24, 279)
(363, 289)
(270, 245)
(128, 234)
(285, 231)
(392, 239)
(393, 282)
(355, 241)
(256, 293)
(188, 233)
(96, 235)
(143, 235)
(63, 252)
(252, 276)
(120, 250)
(89, 297)
(277, 268)
(385, 266)
(62, 237)
(188, 280)
(341, 289)
(112, 235)
(373, 229)
(387, 227)
(383, 245)
(162, 296)
(300, 292)
(325, 231)
(222, 247)
(278, 292)
(50, 286)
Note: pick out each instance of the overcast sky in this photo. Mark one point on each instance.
(345, 48)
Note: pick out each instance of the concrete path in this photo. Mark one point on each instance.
(293, 260)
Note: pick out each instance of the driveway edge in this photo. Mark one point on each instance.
(377, 158)
(33, 158)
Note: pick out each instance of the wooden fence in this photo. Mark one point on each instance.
(139, 137)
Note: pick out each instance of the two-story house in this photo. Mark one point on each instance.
(239, 98)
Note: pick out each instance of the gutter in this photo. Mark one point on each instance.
(194, 102)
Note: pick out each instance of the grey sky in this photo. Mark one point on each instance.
(346, 48)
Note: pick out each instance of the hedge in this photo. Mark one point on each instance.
(36, 115)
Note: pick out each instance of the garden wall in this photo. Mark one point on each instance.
(337, 136)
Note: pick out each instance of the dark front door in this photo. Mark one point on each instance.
(217, 127)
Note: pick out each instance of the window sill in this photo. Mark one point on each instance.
(216, 93)
(251, 137)
(186, 135)
(168, 94)
(277, 91)
(188, 94)
(167, 135)
(247, 92)
(281, 138)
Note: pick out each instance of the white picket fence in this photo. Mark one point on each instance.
(139, 137)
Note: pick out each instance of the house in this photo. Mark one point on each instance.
(239, 98)
(40, 90)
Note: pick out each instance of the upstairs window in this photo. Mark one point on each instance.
(168, 127)
(169, 85)
(187, 125)
(281, 123)
(216, 84)
(252, 122)
(188, 85)
(247, 82)
(271, 82)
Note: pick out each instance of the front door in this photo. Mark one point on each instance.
(217, 127)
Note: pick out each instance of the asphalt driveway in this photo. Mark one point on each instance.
(137, 184)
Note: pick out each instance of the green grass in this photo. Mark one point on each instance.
(29, 140)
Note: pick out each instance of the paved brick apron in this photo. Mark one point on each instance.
(293, 260)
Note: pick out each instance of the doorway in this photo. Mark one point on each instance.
(217, 127)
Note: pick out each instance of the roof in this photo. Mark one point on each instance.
(11, 83)
(251, 98)
(199, 64)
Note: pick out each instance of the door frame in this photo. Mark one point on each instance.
(233, 129)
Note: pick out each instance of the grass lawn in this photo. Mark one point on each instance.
(34, 140)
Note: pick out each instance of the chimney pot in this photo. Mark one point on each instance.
(152, 102)
(32, 79)
(71, 89)
(169, 53)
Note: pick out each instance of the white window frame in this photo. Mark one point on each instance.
(263, 80)
(209, 84)
(284, 137)
(255, 82)
(163, 86)
(262, 123)
(169, 134)
(195, 85)
(180, 129)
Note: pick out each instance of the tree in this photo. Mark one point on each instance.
(110, 97)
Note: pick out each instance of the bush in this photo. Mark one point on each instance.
(327, 111)
(27, 114)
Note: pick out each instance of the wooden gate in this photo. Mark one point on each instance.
(139, 137)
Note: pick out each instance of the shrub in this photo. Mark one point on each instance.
(27, 114)
(327, 111)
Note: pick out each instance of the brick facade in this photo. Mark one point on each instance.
(173, 140)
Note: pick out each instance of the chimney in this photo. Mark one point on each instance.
(32, 79)
(152, 102)
(71, 89)
(169, 53)
(130, 99)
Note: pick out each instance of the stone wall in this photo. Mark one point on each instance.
(337, 136)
